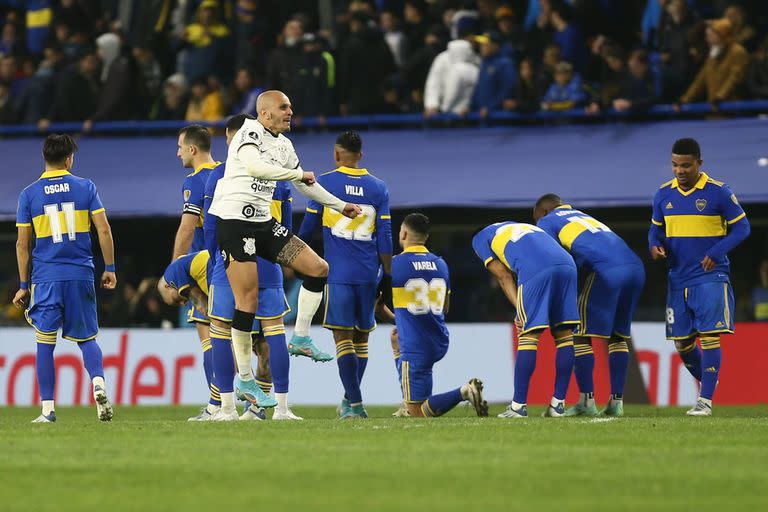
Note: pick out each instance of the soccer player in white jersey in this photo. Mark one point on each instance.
(258, 156)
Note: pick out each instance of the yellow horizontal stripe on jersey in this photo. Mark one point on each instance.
(694, 225)
(332, 217)
(197, 269)
(402, 297)
(42, 223)
(276, 209)
(499, 243)
(570, 232)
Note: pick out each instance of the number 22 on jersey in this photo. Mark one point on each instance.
(361, 228)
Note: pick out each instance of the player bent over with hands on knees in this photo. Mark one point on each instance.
(259, 156)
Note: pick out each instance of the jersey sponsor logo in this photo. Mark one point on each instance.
(58, 187)
(278, 230)
(187, 195)
(424, 265)
(701, 204)
(249, 211)
(249, 246)
(263, 186)
(669, 206)
(353, 190)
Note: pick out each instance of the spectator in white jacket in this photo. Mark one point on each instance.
(452, 78)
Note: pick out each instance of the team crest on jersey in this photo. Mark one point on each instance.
(701, 204)
(187, 195)
(733, 198)
(669, 205)
(253, 135)
(249, 246)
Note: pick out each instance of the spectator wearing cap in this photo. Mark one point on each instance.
(497, 77)
(208, 41)
(317, 74)
(724, 72)
(418, 63)
(453, 76)
(566, 92)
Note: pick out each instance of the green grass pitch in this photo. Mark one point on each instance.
(151, 458)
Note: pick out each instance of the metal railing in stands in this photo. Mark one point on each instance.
(693, 110)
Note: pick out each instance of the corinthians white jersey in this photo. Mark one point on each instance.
(240, 196)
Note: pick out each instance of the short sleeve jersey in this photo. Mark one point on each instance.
(59, 207)
(240, 196)
(188, 270)
(193, 197)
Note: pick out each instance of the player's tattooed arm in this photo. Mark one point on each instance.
(199, 300)
(290, 252)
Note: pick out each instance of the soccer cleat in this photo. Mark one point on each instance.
(253, 413)
(555, 412)
(476, 397)
(581, 409)
(614, 408)
(287, 414)
(50, 418)
(402, 412)
(223, 415)
(343, 408)
(303, 346)
(510, 412)
(204, 415)
(700, 409)
(103, 407)
(355, 411)
(249, 391)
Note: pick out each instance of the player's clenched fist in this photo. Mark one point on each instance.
(351, 210)
(309, 178)
(108, 280)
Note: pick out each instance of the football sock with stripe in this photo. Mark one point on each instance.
(563, 365)
(223, 364)
(361, 351)
(618, 363)
(347, 362)
(691, 356)
(437, 405)
(711, 356)
(525, 364)
(208, 369)
(46, 371)
(584, 366)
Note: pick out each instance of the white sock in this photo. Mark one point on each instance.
(309, 302)
(516, 406)
(241, 346)
(212, 409)
(99, 381)
(464, 391)
(554, 402)
(587, 399)
(282, 401)
(47, 407)
(228, 402)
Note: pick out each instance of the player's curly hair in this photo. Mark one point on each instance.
(686, 146)
(351, 141)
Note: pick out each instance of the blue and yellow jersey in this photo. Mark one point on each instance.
(189, 270)
(525, 249)
(352, 246)
(591, 243)
(420, 285)
(693, 222)
(193, 195)
(59, 207)
(270, 274)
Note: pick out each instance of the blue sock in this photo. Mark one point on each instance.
(564, 360)
(437, 405)
(92, 358)
(399, 369)
(691, 357)
(618, 363)
(347, 361)
(711, 356)
(361, 351)
(223, 360)
(279, 360)
(525, 363)
(46, 371)
(215, 399)
(584, 367)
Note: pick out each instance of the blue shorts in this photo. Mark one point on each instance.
(221, 304)
(69, 305)
(194, 316)
(350, 306)
(608, 301)
(705, 308)
(416, 376)
(548, 299)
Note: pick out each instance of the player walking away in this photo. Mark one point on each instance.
(421, 291)
(696, 221)
(57, 210)
(539, 279)
(354, 249)
(271, 307)
(194, 150)
(607, 301)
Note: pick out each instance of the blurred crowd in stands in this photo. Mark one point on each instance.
(202, 60)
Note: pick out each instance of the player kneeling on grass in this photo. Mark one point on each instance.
(544, 296)
(420, 289)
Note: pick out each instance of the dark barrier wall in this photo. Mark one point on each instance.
(592, 166)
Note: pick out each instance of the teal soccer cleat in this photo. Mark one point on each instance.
(581, 409)
(343, 408)
(615, 408)
(303, 346)
(355, 412)
(248, 391)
